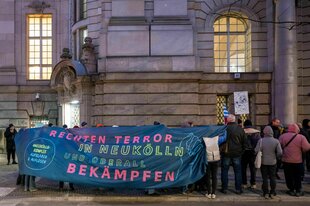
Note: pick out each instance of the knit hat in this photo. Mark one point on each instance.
(268, 132)
(247, 123)
(83, 124)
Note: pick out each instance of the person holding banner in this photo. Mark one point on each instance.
(231, 153)
(61, 183)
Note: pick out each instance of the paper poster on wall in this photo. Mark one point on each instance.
(241, 101)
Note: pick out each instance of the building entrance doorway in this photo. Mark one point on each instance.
(71, 114)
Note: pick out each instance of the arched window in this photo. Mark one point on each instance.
(231, 45)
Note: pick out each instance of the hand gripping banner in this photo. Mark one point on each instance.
(131, 157)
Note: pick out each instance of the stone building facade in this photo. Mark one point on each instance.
(171, 61)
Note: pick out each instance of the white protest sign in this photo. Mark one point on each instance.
(241, 100)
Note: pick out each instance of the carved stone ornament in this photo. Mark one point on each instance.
(88, 44)
(66, 77)
(39, 6)
(65, 54)
(88, 53)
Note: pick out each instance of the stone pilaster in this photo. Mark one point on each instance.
(285, 77)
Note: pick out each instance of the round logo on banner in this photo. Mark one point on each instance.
(39, 154)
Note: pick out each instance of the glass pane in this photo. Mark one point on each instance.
(241, 69)
(34, 72)
(241, 46)
(223, 47)
(222, 62)
(216, 47)
(223, 28)
(241, 38)
(223, 20)
(223, 54)
(223, 39)
(216, 38)
(233, 47)
(233, 69)
(223, 69)
(216, 28)
(233, 28)
(241, 28)
(233, 38)
(232, 20)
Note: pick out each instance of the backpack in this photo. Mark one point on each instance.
(212, 148)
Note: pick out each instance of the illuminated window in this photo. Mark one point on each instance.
(221, 109)
(224, 106)
(39, 47)
(83, 9)
(231, 46)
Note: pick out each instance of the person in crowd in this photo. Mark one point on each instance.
(9, 134)
(305, 131)
(61, 183)
(239, 121)
(50, 124)
(276, 127)
(213, 159)
(83, 124)
(152, 192)
(248, 157)
(277, 131)
(293, 145)
(231, 153)
(30, 184)
(271, 151)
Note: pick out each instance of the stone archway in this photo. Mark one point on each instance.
(73, 85)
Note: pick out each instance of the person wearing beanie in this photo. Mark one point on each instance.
(248, 157)
(231, 153)
(271, 150)
(293, 144)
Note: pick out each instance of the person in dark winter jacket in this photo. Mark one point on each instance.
(9, 134)
(248, 157)
(305, 131)
(231, 153)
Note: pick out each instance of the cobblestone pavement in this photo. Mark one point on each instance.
(11, 194)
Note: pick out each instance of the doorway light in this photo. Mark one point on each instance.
(75, 102)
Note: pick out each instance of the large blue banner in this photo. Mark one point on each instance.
(132, 157)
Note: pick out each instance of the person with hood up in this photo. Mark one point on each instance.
(248, 157)
(293, 144)
(271, 150)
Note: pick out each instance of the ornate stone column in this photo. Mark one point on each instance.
(285, 74)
